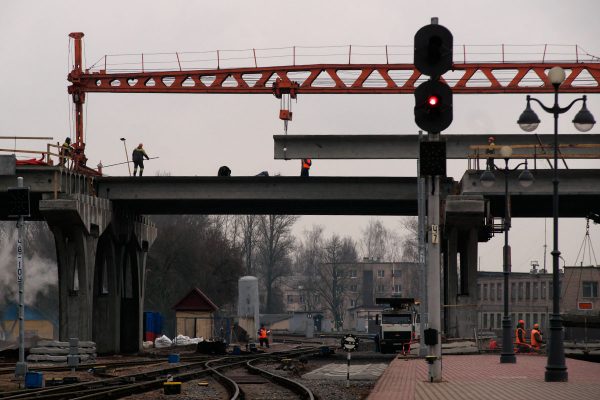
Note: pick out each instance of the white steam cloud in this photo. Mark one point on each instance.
(40, 273)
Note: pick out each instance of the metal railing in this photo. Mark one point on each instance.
(535, 152)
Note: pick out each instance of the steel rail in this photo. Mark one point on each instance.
(153, 380)
(291, 384)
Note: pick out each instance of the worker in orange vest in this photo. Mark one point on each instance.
(520, 335)
(263, 337)
(536, 337)
(306, 163)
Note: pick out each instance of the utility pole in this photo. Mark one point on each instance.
(434, 354)
(421, 204)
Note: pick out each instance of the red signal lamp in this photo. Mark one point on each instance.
(433, 100)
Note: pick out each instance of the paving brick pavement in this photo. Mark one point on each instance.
(482, 377)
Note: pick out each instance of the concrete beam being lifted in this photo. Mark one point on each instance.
(407, 146)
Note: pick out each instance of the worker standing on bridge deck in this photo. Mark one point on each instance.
(490, 150)
(306, 163)
(65, 151)
(138, 159)
(536, 337)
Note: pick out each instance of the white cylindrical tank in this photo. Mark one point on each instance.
(248, 302)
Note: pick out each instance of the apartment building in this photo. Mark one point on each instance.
(530, 294)
(530, 298)
(362, 283)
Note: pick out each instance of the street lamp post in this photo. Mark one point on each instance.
(507, 356)
(556, 369)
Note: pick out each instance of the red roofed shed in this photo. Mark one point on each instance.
(194, 315)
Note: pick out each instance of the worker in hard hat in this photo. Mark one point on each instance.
(490, 151)
(66, 150)
(536, 337)
(520, 335)
(306, 163)
(263, 336)
(138, 156)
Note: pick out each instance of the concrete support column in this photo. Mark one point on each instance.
(76, 222)
(76, 252)
(134, 236)
(472, 264)
(107, 298)
(451, 280)
(467, 300)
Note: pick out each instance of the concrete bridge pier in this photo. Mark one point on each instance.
(101, 257)
(76, 221)
(132, 237)
(464, 220)
(107, 304)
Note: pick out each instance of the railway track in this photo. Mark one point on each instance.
(126, 385)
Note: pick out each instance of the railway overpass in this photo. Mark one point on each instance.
(102, 233)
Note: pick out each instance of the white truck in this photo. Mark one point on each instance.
(398, 325)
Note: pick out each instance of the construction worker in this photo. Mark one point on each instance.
(536, 337)
(490, 150)
(520, 335)
(138, 159)
(263, 337)
(224, 171)
(306, 163)
(65, 151)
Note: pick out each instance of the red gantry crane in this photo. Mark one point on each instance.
(287, 82)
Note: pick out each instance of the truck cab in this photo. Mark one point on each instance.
(398, 325)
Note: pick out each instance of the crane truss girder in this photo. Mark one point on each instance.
(342, 79)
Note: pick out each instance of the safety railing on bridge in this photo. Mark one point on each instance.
(535, 152)
(66, 179)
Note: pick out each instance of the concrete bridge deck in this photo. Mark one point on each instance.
(264, 195)
(476, 377)
(579, 193)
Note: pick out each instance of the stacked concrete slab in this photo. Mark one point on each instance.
(57, 351)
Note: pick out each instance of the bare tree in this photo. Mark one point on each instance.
(309, 257)
(375, 239)
(191, 251)
(275, 245)
(241, 232)
(333, 280)
(410, 245)
(249, 229)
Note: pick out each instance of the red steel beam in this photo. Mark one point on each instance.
(238, 80)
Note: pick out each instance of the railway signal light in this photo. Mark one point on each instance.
(433, 50)
(433, 106)
(433, 57)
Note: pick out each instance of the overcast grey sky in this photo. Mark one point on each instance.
(195, 134)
